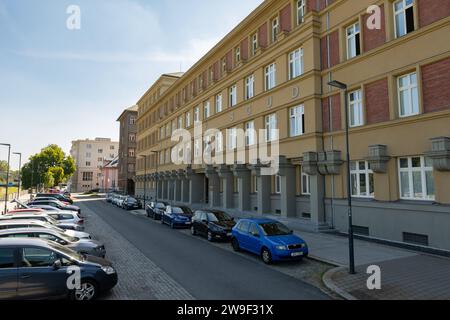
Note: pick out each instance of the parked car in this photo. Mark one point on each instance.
(109, 197)
(57, 196)
(130, 203)
(156, 210)
(15, 224)
(54, 203)
(25, 211)
(66, 216)
(52, 209)
(65, 202)
(270, 239)
(177, 217)
(82, 246)
(35, 269)
(212, 224)
(43, 217)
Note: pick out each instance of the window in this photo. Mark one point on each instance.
(250, 133)
(295, 64)
(196, 114)
(404, 17)
(219, 103)
(355, 109)
(408, 95)
(89, 146)
(131, 153)
(277, 184)
(87, 176)
(232, 138)
(100, 150)
(416, 178)
(224, 65)
(161, 133)
(275, 28)
(306, 184)
(249, 87)
(132, 120)
(254, 230)
(111, 147)
(361, 179)
(161, 157)
(255, 183)
(237, 55)
(353, 41)
(180, 122)
(270, 77)
(206, 110)
(7, 258)
(218, 142)
(174, 125)
(301, 10)
(168, 130)
(271, 128)
(297, 121)
(88, 155)
(132, 137)
(254, 43)
(188, 119)
(168, 160)
(88, 163)
(233, 96)
(38, 258)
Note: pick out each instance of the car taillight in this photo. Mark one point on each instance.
(81, 221)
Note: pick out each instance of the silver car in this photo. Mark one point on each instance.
(42, 216)
(82, 246)
(17, 224)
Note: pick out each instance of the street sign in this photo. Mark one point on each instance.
(11, 184)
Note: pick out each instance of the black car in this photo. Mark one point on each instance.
(131, 203)
(212, 224)
(57, 196)
(156, 210)
(32, 269)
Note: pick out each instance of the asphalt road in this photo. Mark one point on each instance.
(205, 271)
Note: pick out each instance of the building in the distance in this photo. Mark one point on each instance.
(127, 149)
(273, 72)
(89, 156)
(110, 175)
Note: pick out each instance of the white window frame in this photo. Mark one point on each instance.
(355, 107)
(207, 109)
(219, 103)
(296, 120)
(180, 122)
(250, 87)
(305, 184)
(413, 90)
(367, 172)
(271, 123)
(188, 119)
(250, 138)
(254, 43)
(275, 27)
(423, 169)
(218, 140)
(232, 139)
(354, 30)
(270, 76)
(301, 10)
(233, 95)
(296, 67)
(402, 11)
(237, 54)
(277, 184)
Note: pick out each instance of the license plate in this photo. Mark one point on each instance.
(187, 223)
(297, 254)
(229, 234)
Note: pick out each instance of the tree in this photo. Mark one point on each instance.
(49, 180)
(58, 174)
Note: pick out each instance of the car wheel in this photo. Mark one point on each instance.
(235, 245)
(172, 225)
(88, 291)
(193, 232)
(266, 256)
(162, 220)
(210, 236)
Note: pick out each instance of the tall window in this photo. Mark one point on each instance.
(362, 179)
(188, 119)
(277, 184)
(132, 120)
(306, 184)
(270, 77)
(168, 158)
(131, 153)
(255, 183)
(180, 122)
(161, 133)
(206, 110)
(237, 55)
(275, 27)
(233, 96)
(232, 138)
(88, 176)
(404, 17)
(408, 95)
(219, 103)
(295, 64)
(355, 109)
(353, 41)
(254, 43)
(271, 128)
(218, 142)
(174, 125)
(132, 137)
(250, 133)
(416, 178)
(249, 87)
(196, 114)
(168, 130)
(297, 121)
(301, 10)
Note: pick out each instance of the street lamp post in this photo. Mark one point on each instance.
(20, 168)
(7, 174)
(157, 176)
(343, 86)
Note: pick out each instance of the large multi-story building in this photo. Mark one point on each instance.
(127, 149)
(273, 72)
(89, 156)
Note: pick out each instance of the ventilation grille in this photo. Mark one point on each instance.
(415, 238)
(363, 231)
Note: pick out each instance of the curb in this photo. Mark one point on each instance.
(329, 283)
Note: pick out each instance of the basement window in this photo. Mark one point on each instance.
(404, 17)
(414, 238)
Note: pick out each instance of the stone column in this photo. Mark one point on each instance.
(195, 186)
(243, 174)
(317, 181)
(264, 185)
(184, 186)
(165, 187)
(227, 176)
(214, 186)
(170, 186)
(288, 186)
(176, 186)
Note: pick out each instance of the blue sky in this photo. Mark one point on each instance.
(59, 85)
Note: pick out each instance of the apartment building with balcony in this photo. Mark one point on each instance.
(272, 72)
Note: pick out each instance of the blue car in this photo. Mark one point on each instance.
(270, 239)
(177, 217)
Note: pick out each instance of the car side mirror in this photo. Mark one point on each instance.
(57, 265)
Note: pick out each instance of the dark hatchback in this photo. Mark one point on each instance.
(212, 224)
(131, 203)
(156, 210)
(38, 269)
(56, 196)
(177, 217)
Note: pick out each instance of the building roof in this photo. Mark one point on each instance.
(130, 109)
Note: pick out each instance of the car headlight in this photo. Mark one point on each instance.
(109, 270)
(281, 247)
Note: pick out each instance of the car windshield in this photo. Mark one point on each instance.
(179, 210)
(160, 205)
(67, 238)
(275, 229)
(66, 251)
(218, 216)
